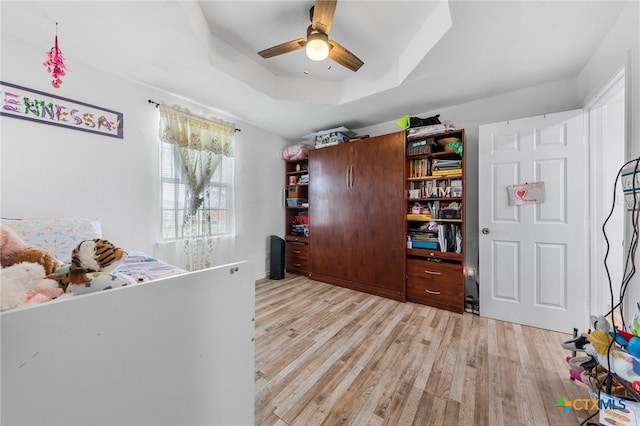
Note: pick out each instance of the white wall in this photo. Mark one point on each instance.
(48, 171)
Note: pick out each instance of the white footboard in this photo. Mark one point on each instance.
(177, 351)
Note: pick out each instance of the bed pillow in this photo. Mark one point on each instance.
(57, 237)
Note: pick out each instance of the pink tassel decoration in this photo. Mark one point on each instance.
(55, 63)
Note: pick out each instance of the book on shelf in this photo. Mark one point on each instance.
(447, 164)
(416, 216)
(420, 168)
(456, 188)
(426, 167)
(447, 172)
(426, 237)
(450, 238)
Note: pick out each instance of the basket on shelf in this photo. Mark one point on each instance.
(424, 146)
(452, 144)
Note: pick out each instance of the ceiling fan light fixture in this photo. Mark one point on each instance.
(317, 46)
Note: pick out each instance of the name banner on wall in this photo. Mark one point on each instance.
(33, 105)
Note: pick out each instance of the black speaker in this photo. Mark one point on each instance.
(276, 264)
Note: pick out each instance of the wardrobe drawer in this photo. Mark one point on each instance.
(437, 284)
(296, 259)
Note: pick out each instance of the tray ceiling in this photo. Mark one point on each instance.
(419, 55)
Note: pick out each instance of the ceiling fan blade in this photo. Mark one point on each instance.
(289, 46)
(323, 11)
(339, 54)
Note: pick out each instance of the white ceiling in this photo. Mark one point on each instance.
(206, 51)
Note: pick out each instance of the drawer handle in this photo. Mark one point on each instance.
(297, 251)
(297, 265)
(437, 293)
(432, 273)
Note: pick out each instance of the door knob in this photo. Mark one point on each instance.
(485, 231)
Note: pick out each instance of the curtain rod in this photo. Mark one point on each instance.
(158, 105)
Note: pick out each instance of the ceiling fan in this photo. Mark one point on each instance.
(317, 43)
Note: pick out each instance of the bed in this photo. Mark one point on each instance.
(176, 349)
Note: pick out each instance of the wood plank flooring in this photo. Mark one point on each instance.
(326, 355)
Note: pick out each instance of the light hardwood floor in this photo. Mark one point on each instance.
(326, 355)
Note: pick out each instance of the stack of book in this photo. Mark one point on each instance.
(446, 167)
(424, 240)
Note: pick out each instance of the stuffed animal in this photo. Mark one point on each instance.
(35, 255)
(14, 250)
(599, 339)
(10, 246)
(92, 264)
(24, 283)
(98, 281)
(97, 255)
(298, 151)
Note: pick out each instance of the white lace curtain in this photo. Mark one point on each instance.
(199, 145)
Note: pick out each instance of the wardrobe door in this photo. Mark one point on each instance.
(376, 218)
(329, 201)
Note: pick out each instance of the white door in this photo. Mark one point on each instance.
(534, 257)
(606, 133)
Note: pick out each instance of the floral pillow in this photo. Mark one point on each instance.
(57, 237)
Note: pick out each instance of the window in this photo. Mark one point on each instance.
(215, 214)
(197, 177)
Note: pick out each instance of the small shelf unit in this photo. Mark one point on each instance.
(296, 204)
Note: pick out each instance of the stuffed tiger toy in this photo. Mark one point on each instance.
(90, 256)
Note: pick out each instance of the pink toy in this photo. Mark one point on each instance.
(298, 151)
(10, 246)
(24, 283)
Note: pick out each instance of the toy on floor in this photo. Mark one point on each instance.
(635, 323)
(629, 341)
(576, 344)
(599, 339)
(586, 370)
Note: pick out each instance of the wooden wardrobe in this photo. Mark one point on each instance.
(356, 215)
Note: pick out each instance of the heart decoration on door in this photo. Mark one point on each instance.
(526, 193)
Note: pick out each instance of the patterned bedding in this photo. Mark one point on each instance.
(23, 284)
(59, 236)
(142, 267)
